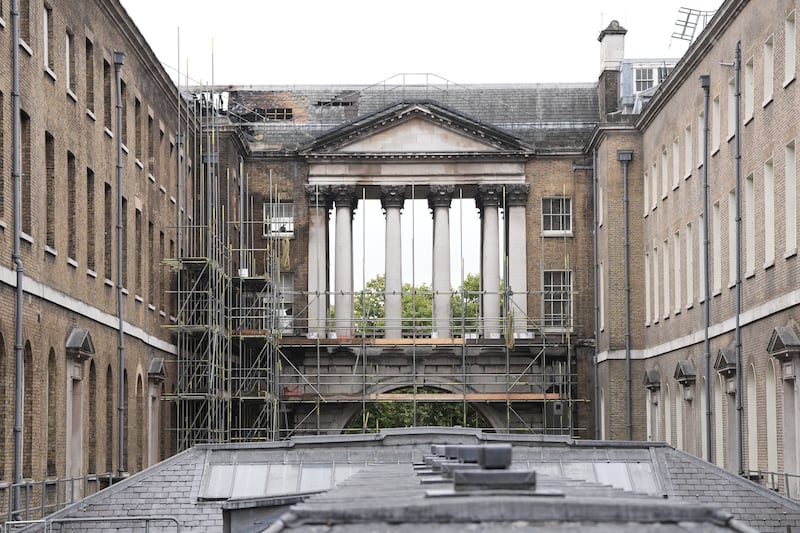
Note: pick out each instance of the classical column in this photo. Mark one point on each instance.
(318, 207)
(488, 201)
(392, 200)
(516, 204)
(439, 200)
(345, 201)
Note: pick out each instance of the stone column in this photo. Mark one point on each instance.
(439, 200)
(488, 201)
(392, 200)
(345, 201)
(517, 285)
(318, 207)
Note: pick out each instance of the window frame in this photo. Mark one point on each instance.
(564, 217)
(278, 223)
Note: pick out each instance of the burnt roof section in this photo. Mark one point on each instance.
(550, 117)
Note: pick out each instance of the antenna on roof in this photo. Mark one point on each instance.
(688, 21)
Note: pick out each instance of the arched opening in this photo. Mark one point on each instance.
(4, 444)
(109, 420)
(52, 414)
(140, 436)
(678, 398)
(428, 412)
(771, 396)
(719, 429)
(28, 414)
(752, 420)
(703, 420)
(92, 428)
(668, 414)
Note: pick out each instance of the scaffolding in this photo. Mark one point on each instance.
(247, 369)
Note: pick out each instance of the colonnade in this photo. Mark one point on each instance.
(489, 200)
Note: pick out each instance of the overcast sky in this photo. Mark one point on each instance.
(265, 42)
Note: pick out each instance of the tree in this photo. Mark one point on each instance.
(465, 305)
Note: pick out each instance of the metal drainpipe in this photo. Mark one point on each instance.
(19, 392)
(119, 59)
(737, 67)
(597, 422)
(625, 157)
(705, 83)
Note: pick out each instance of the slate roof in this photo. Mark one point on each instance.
(551, 117)
(601, 473)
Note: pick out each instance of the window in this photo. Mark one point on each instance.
(91, 227)
(654, 188)
(701, 149)
(279, 219)
(656, 305)
(286, 302)
(769, 74)
(123, 89)
(789, 44)
(107, 96)
(647, 289)
(749, 90)
(716, 242)
(138, 244)
(732, 237)
(665, 258)
(701, 252)
(644, 79)
(790, 196)
(689, 265)
(557, 298)
(151, 283)
(715, 124)
(125, 243)
(664, 173)
(556, 216)
(69, 65)
(50, 190)
(107, 223)
(25, 169)
(731, 107)
(72, 207)
(687, 147)
(137, 129)
(47, 39)
(151, 146)
(2, 158)
(749, 226)
(278, 113)
(676, 163)
(646, 194)
(602, 297)
(25, 21)
(600, 198)
(676, 269)
(769, 214)
(89, 76)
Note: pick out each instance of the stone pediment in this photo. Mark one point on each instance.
(416, 128)
(784, 342)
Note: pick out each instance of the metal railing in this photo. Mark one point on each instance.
(39, 499)
(780, 482)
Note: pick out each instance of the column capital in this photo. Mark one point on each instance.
(393, 196)
(318, 196)
(489, 196)
(440, 196)
(344, 196)
(517, 195)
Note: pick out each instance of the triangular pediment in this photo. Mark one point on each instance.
(79, 344)
(726, 360)
(416, 128)
(784, 341)
(685, 371)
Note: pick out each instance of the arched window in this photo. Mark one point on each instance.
(28, 414)
(719, 429)
(752, 420)
(771, 397)
(92, 427)
(109, 422)
(52, 413)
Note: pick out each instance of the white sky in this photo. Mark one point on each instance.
(266, 42)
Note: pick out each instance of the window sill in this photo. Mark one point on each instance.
(138, 299)
(749, 274)
(766, 102)
(91, 273)
(108, 132)
(173, 201)
(25, 46)
(162, 314)
(71, 262)
(139, 163)
(677, 311)
(50, 74)
(790, 253)
(125, 291)
(555, 234)
(730, 137)
(72, 96)
(687, 176)
(108, 283)
(717, 292)
(699, 166)
(748, 120)
(151, 178)
(49, 250)
(732, 285)
(715, 151)
(788, 82)
(769, 264)
(124, 148)
(90, 114)
(676, 185)
(162, 189)
(25, 237)
(151, 307)
(2, 23)
(689, 306)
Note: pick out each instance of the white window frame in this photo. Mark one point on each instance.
(789, 44)
(278, 219)
(557, 293)
(563, 218)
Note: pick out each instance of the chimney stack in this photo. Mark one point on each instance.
(612, 51)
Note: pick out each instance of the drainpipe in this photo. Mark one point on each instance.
(705, 83)
(119, 59)
(737, 67)
(625, 157)
(19, 392)
(597, 421)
